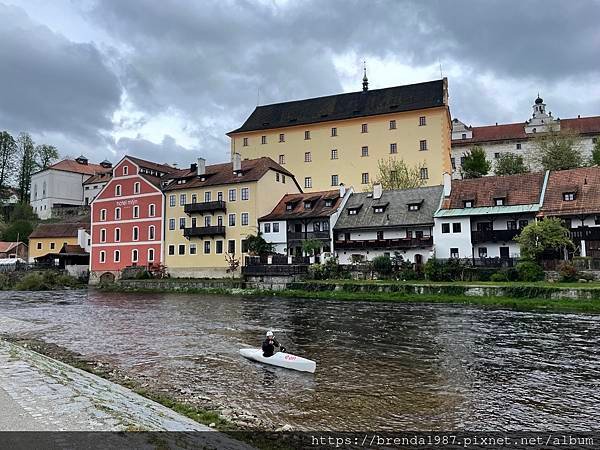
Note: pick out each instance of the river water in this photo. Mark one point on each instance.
(386, 366)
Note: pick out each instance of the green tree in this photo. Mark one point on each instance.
(557, 150)
(510, 164)
(596, 153)
(474, 164)
(541, 236)
(18, 230)
(26, 153)
(45, 155)
(8, 158)
(383, 265)
(22, 211)
(257, 245)
(311, 246)
(394, 173)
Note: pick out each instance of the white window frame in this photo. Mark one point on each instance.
(137, 255)
(151, 233)
(135, 231)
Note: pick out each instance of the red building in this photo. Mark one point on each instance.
(127, 219)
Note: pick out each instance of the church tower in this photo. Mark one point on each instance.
(540, 120)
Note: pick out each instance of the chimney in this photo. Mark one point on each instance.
(237, 162)
(342, 190)
(377, 191)
(201, 167)
(447, 184)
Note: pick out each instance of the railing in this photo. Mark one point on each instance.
(585, 233)
(270, 269)
(277, 260)
(218, 205)
(204, 231)
(385, 244)
(300, 236)
(493, 236)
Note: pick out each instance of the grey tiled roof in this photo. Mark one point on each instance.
(396, 212)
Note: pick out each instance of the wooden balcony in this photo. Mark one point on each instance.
(205, 207)
(385, 244)
(301, 236)
(479, 237)
(204, 231)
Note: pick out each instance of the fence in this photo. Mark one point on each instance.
(274, 270)
(277, 260)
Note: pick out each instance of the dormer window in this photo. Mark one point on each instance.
(414, 206)
(464, 136)
(329, 203)
(379, 209)
(352, 211)
(499, 201)
(468, 203)
(568, 196)
(307, 205)
(289, 207)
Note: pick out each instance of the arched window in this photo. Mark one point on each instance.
(102, 256)
(117, 256)
(117, 234)
(103, 235)
(44, 190)
(117, 213)
(134, 255)
(125, 170)
(151, 210)
(136, 187)
(118, 190)
(150, 255)
(151, 232)
(136, 233)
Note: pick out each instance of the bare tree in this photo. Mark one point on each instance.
(8, 158)
(394, 173)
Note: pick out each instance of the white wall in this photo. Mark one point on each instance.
(90, 191)
(61, 187)
(443, 242)
(279, 239)
(345, 256)
(493, 249)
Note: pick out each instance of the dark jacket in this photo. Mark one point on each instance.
(268, 347)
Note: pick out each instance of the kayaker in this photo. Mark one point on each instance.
(269, 344)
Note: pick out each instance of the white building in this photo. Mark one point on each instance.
(94, 184)
(61, 184)
(517, 138)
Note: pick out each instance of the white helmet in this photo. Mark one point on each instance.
(269, 333)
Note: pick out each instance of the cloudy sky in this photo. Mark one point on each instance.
(166, 79)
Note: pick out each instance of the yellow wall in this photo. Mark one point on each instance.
(46, 244)
(349, 142)
(263, 196)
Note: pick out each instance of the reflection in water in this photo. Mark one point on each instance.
(384, 366)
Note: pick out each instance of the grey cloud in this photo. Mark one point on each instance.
(168, 151)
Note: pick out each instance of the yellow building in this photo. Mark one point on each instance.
(50, 238)
(210, 210)
(341, 138)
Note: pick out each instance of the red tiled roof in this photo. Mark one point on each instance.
(280, 212)
(99, 178)
(8, 246)
(73, 249)
(50, 230)
(522, 189)
(70, 165)
(152, 165)
(585, 182)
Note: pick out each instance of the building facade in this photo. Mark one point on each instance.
(61, 184)
(51, 237)
(395, 222)
(94, 184)
(342, 138)
(210, 210)
(518, 138)
(480, 217)
(12, 250)
(127, 219)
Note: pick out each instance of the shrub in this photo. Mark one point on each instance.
(451, 270)
(382, 265)
(407, 271)
(434, 270)
(568, 272)
(330, 269)
(530, 271)
(498, 276)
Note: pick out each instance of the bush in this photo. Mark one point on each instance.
(530, 271)
(407, 271)
(329, 270)
(568, 272)
(434, 270)
(45, 281)
(451, 270)
(382, 265)
(498, 276)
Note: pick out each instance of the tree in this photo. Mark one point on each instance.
(45, 155)
(394, 173)
(542, 236)
(22, 211)
(26, 153)
(233, 263)
(8, 158)
(510, 164)
(311, 246)
(596, 153)
(557, 150)
(257, 245)
(18, 230)
(474, 164)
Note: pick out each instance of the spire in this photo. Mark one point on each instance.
(365, 80)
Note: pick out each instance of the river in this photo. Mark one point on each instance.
(386, 366)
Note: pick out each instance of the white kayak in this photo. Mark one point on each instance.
(280, 359)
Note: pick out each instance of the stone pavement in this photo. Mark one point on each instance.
(38, 393)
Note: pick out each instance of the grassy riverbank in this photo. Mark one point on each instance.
(48, 280)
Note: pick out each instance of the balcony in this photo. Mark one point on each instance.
(204, 231)
(205, 207)
(301, 236)
(385, 244)
(478, 237)
(585, 234)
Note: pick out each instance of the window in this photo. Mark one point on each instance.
(207, 196)
(307, 157)
(181, 223)
(414, 206)
(103, 214)
(328, 203)
(393, 148)
(172, 201)
(151, 210)
(245, 193)
(308, 182)
(102, 256)
(267, 227)
(463, 136)
(333, 132)
(568, 196)
(232, 220)
(136, 233)
(275, 227)
(136, 187)
(352, 212)
(334, 154)
(364, 128)
(453, 162)
(456, 227)
(316, 226)
(117, 213)
(365, 178)
(424, 173)
(422, 121)
(206, 247)
(423, 145)
(52, 245)
(596, 220)
(192, 249)
(325, 226)
(499, 201)
(283, 178)
(232, 195)
(518, 146)
(181, 199)
(244, 245)
(220, 221)
(511, 225)
(39, 245)
(282, 159)
(306, 135)
(171, 224)
(483, 252)
(136, 212)
(245, 142)
(181, 249)
(219, 247)
(263, 139)
(308, 205)
(277, 176)
(118, 190)
(207, 221)
(151, 232)
(231, 246)
(335, 180)
(523, 223)
(445, 228)
(378, 209)
(150, 255)
(103, 235)
(364, 151)
(454, 253)
(171, 249)
(219, 196)
(392, 124)
(134, 255)
(468, 203)
(117, 256)
(281, 137)
(245, 219)
(125, 170)
(117, 235)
